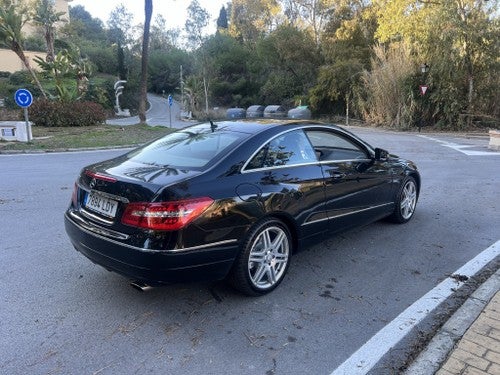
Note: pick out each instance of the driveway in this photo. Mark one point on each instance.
(158, 114)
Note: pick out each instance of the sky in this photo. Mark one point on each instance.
(174, 11)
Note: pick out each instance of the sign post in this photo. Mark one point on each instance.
(24, 99)
(170, 102)
(423, 90)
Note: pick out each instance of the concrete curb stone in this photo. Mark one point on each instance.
(439, 348)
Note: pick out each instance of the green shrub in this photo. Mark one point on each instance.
(20, 78)
(48, 113)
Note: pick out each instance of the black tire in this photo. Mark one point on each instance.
(406, 201)
(264, 258)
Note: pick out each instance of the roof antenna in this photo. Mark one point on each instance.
(212, 125)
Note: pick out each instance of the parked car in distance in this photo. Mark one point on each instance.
(234, 200)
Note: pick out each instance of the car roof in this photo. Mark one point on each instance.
(255, 126)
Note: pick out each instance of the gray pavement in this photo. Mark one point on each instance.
(69, 316)
(469, 342)
(158, 114)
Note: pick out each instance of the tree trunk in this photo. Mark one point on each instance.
(16, 48)
(148, 8)
(49, 40)
(205, 88)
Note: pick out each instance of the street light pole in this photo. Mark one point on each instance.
(424, 68)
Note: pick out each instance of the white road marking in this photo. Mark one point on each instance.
(367, 357)
(461, 148)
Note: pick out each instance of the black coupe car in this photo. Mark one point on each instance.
(233, 199)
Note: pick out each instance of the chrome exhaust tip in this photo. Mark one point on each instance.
(141, 286)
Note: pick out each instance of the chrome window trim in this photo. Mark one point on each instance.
(279, 167)
(345, 161)
(244, 170)
(305, 164)
(305, 128)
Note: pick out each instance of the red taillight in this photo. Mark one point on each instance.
(165, 215)
(99, 176)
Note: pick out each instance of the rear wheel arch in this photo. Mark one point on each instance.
(416, 177)
(257, 254)
(291, 226)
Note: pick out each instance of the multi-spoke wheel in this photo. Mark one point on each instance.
(264, 258)
(406, 201)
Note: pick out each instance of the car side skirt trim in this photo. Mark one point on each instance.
(349, 213)
(361, 210)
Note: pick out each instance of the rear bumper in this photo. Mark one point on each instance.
(152, 267)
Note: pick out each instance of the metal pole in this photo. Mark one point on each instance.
(182, 91)
(170, 114)
(347, 111)
(28, 127)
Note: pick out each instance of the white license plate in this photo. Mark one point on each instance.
(99, 203)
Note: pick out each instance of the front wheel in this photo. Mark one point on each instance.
(406, 202)
(264, 258)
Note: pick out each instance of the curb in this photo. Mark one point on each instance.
(438, 349)
(393, 347)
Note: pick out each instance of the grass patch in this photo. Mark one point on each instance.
(50, 138)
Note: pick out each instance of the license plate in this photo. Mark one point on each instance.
(101, 204)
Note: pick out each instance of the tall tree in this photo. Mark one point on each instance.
(119, 25)
(195, 24)
(289, 57)
(251, 19)
(456, 37)
(148, 11)
(312, 15)
(46, 16)
(161, 37)
(12, 20)
(222, 23)
(84, 26)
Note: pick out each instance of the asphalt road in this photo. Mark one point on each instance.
(60, 314)
(158, 114)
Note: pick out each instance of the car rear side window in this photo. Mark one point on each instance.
(193, 147)
(291, 148)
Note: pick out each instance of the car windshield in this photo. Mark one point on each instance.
(193, 147)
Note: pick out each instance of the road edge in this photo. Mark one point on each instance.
(438, 349)
(387, 350)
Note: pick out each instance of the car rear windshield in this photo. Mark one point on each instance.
(193, 147)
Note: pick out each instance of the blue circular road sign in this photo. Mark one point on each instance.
(170, 100)
(23, 98)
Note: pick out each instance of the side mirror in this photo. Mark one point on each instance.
(381, 154)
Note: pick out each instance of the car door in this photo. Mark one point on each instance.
(357, 187)
(290, 177)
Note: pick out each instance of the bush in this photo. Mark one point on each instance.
(48, 113)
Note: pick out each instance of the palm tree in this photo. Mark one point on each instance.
(148, 8)
(11, 23)
(46, 16)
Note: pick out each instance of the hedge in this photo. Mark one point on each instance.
(49, 113)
